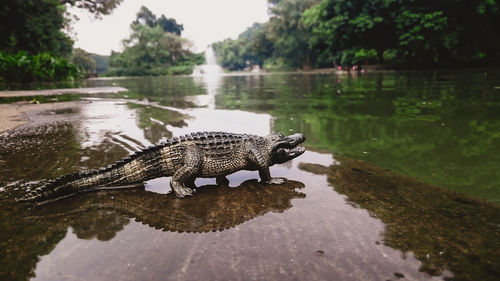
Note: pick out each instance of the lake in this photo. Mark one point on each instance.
(399, 180)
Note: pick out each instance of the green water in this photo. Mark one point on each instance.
(372, 198)
(440, 127)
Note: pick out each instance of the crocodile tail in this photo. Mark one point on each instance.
(131, 170)
(128, 171)
(68, 185)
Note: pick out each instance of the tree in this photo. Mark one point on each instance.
(84, 61)
(170, 25)
(146, 16)
(150, 50)
(97, 7)
(288, 33)
(423, 35)
(34, 26)
(230, 54)
(252, 47)
(259, 45)
(282, 41)
(354, 26)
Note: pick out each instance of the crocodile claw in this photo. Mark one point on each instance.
(275, 181)
(184, 191)
(181, 190)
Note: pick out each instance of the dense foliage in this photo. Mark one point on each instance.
(23, 67)
(33, 45)
(326, 33)
(33, 26)
(154, 48)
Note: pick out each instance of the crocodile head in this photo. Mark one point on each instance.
(285, 148)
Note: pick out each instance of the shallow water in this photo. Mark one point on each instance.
(440, 127)
(335, 219)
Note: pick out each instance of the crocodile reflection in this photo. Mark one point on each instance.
(218, 208)
(35, 231)
(444, 230)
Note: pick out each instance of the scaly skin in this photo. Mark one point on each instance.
(204, 154)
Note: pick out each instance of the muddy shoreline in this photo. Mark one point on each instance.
(14, 114)
(56, 92)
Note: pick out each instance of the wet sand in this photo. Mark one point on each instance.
(13, 115)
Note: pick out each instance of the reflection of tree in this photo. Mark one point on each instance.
(153, 121)
(439, 128)
(167, 90)
(108, 151)
(443, 229)
(28, 233)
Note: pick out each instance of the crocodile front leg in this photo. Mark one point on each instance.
(265, 176)
(264, 173)
(186, 175)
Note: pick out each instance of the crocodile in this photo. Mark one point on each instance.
(184, 158)
(217, 209)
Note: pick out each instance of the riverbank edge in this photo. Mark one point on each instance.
(57, 92)
(13, 115)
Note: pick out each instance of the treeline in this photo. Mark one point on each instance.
(33, 44)
(155, 47)
(410, 33)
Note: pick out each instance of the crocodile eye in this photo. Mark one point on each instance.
(281, 136)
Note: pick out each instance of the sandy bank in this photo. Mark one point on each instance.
(55, 92)
(14, 115)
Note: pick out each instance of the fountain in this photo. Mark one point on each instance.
(210, 68)
(208, 75)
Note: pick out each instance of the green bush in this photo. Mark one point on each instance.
(276, 64)
(22, 67)
(358, 56)
(180, 70)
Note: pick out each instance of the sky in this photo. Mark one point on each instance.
(204, 21)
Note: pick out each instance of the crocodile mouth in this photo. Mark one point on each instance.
(291, 152)
(290, 147)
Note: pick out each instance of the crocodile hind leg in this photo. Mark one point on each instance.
(186, 175)
(178, 182)
(190, 183)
